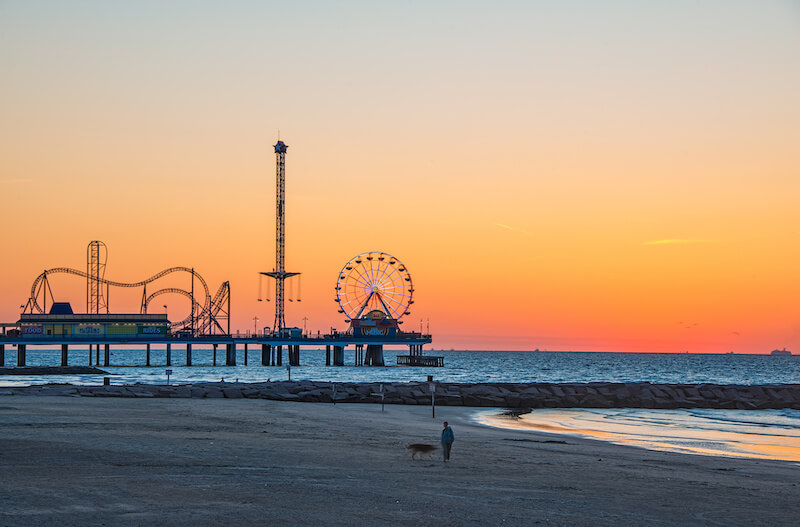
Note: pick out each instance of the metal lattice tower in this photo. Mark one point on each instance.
(96, 257)
(279, 273)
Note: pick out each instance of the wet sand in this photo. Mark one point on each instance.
(116, 461)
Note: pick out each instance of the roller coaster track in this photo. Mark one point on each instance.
(209, 323)
(203, 318)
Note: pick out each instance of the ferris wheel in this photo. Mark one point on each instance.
(374, 281)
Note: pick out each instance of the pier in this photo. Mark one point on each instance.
(224, 348)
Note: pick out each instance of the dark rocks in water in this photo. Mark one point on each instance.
(516, 412)
(52, 370)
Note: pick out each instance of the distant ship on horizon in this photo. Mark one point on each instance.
(784, 351)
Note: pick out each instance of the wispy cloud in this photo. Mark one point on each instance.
(674, 241)
(510, 228)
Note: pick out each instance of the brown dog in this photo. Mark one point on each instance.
(421, 449)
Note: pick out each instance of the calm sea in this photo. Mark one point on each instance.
(460, 366)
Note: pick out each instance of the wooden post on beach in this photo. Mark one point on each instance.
(20, 354)
(169, 354)
(188, 354)
(147, 355)
(327, 355)
(106, 354)
(64, 355)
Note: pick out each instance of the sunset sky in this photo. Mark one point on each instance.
(578, 175)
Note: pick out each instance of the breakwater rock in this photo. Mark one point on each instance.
(502, 395)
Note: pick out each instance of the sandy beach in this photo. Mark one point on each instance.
(110, 461)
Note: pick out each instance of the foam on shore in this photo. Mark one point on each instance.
(760, 434)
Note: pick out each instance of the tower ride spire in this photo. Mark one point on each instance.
(279, 273)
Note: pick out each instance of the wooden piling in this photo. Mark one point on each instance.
(169, 354)
(327, 355)
(106, 354)
(279, 355)
(2, 355)
(65, 355)
(188, 354)
(230, 354)
(338, 355)
(374, 355)
(214, 355)
(147, 355)
(265, 349)
(20, 354)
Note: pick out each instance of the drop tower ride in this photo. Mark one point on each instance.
(279, 272)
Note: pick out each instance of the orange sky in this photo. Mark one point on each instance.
(575, 176)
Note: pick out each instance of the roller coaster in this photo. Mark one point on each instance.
(204, 318)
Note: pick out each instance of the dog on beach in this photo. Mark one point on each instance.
(421, 449)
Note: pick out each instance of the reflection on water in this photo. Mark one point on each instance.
(762, 434)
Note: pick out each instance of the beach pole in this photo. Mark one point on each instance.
(432, 387)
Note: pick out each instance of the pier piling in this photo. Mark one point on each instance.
(2, 355)
(214, 355)
(147, 355)
(279, 355)
(169, 354)
(188, 354)
(20, 354)
(327, 355)
(230, 354)
(374, 355)
(64, 354)
(265, 348)
(106, 354)
(338, 355)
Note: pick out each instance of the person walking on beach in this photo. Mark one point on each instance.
(447, 441)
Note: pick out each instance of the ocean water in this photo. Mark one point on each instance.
(460, 366)
(756, 434)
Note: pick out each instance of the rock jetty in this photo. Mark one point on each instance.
(499, 395)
